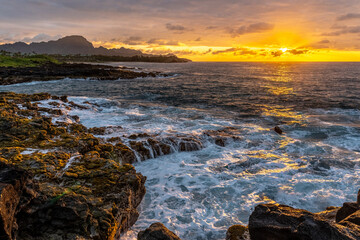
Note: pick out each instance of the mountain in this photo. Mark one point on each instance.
(70, 45)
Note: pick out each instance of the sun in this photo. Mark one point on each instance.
(283, 49)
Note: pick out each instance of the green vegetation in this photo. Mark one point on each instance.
(103, 58)
(34, 60)
(19, 60)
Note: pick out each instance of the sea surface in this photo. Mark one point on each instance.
(199, 194)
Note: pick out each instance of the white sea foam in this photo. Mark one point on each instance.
(199, 194)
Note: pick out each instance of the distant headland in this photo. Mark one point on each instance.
(78, 48)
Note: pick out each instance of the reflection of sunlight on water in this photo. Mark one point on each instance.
(275, 86)
(286, 114)
(280, 90)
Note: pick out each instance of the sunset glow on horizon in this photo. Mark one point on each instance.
(241, 31)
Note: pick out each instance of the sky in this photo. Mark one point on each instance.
(201, 30)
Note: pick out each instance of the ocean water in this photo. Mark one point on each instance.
(199, 194)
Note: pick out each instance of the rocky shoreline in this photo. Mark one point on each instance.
(282, 222)
(52, 71)
(61, 180)
(58, 181)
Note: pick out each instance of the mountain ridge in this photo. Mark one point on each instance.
(69, 45)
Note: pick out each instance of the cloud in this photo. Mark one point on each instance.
(348, 16)
(173, 27)
(178, 52)
(162, 42)
(42, 37)
(236, 51)
(277, 53)
(344, 30)
(297, 52)
(211, 27)
(198, 39)
(318, 45)
(133, 40)
(252, 28)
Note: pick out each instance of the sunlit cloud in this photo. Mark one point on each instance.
(133, 40)
(344, 30)
(175, 27)
(237, 51)
(163, 42)
(252, 28)
(348, 16)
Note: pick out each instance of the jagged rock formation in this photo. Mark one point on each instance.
(58, 181)
(157, 231)
(281, 222)
(237, 232)
(52, 71)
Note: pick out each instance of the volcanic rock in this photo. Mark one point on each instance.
(346, 210)
(281, 222)
(157, 231)
(236, 232)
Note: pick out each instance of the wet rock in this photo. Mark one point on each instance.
(329, 214)
(358, 197)
(353, 218)
(220, 141)
(124, 153)
(141, 149)
(64, 98)
(157, 231)
(346, 210)
(189, 144)
(236, 232)
(278, 130)
(159, 148)
(12, 184)
(97, 130)
(47, 72)
(281, 222)
(140, 135)
(9, 200)
(80, 188)
(78, 106)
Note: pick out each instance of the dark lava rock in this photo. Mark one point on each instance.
(236, 232)
(358, 198)
(64, 98)
(281, 222)
(12, 184)
(346, 210)
(353, 218)
(278, 130)
(51, 71)
(157, 231)
(80, 188)
(329, 214)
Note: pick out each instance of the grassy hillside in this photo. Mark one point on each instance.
(16, 60)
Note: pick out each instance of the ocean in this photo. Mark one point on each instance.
(230, 110)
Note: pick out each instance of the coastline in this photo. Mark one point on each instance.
(62, 173)
(58, 71)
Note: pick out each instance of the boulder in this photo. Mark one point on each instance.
(157, 231)
(358, 197)
(236, 232)
(12, 184)
(278, 130)
(281, 222)
(353, 218)
(9, 200)
(346, 210)
(329, 214)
